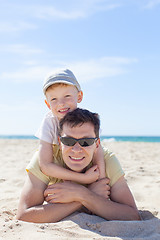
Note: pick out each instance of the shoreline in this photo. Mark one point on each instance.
(105, 138)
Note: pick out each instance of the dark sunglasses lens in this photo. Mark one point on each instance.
(86, 142)
(68, 141)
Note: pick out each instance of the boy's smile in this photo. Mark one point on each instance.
(64, 110)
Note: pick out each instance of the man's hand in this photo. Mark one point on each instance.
(65, 192)
(101, 188)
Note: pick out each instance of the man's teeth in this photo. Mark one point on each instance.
(76, 158)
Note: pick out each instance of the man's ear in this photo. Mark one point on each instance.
(80, 96)
(48, 105)
(97, 142)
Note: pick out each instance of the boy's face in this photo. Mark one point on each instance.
(76, 157)
(63, 99)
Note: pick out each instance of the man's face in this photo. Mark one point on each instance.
(76, 157)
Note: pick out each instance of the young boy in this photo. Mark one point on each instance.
(63, 92)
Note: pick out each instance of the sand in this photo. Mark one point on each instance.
(141, 163)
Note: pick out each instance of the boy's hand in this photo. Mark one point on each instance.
(91, 175)
(101, 187)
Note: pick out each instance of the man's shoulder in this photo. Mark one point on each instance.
(108, 153)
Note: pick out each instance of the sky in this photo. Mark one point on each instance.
(112, 47)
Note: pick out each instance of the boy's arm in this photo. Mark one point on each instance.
(98, 159)
(45, 157)
(31, 208)
(49, 168)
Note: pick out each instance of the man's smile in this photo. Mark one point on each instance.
(77, 159)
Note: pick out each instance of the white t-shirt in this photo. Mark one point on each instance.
(48, 130)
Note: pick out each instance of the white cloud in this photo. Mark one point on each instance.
(82, 9)
(49, 13)
(65, 10)
(8, 27)
(84, 70)
(102, 5)
(100, 68)
(30, 63)
(29, 74)
(20, 49)
(152, 4)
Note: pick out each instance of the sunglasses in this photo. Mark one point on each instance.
(84, 142)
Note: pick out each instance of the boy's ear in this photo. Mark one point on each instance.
(59, 142)
(48, 105)
(80, 96)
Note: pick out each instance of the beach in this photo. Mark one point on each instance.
(141, 163)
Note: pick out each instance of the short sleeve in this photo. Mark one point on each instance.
(34, 168)
(48, 130)
(113, 168)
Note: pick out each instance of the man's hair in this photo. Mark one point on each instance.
(78, 117)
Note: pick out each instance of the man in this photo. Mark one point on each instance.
(79, 140)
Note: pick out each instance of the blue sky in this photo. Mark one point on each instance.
(112, 46)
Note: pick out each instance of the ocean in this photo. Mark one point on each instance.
(131, 138)
(106, 138)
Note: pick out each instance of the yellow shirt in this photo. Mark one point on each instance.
(113, 167)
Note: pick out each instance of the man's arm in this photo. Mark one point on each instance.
(121, 205)
(31, 208)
